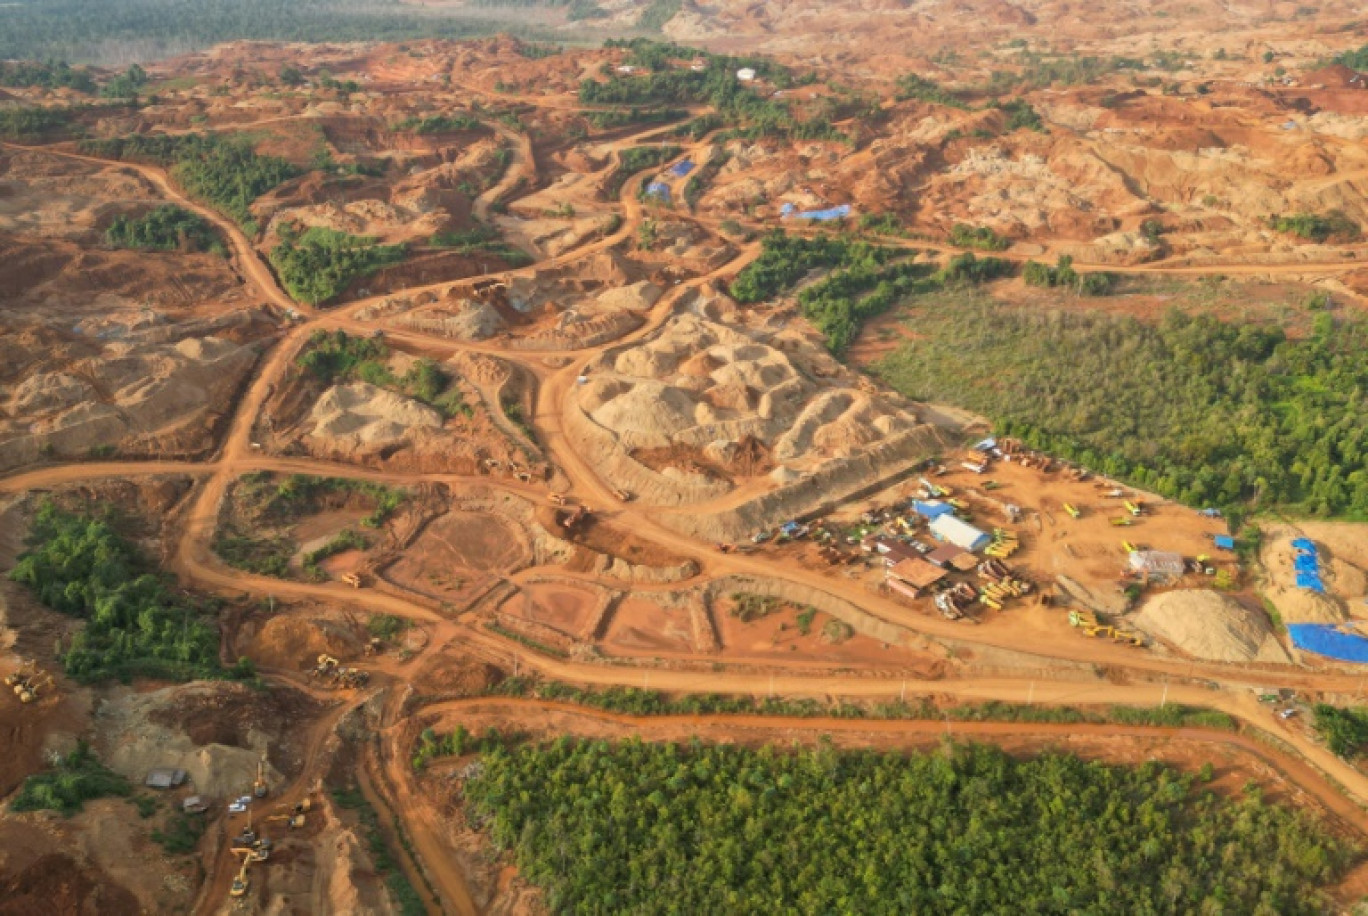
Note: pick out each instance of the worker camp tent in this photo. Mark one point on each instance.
(963, 535)
(1157, 563)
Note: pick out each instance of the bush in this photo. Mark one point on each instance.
(912, 86)
(167, 228)
(1345, 731)
(33, 123)
(1097, 283)
(1317, 228)
(77, 778)
(319, 264)
(181, 834)
(980, 237)
(438, 124)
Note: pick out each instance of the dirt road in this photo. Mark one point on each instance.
(195, 563)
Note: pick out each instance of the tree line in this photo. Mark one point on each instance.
(700, 828)
(1236, 414)
(135, 624)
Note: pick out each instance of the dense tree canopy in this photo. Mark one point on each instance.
(318, 264)
(659, 828)
(223, 171)
(81, 566)
(167, 228)
(1194, 408)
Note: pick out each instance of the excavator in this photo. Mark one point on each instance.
(292, 815)
(241, 882)
(259, 788)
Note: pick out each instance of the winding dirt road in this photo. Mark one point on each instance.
(195, 563)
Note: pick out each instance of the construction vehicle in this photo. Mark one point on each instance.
(1072, 510)
(572, 519)
(241, 882)
(259, 788)
(557, 499)
(1128, 548)
(29, 691)
(352, 579)
(625, 496)
(1134, 508)
(1122, 522)
(21, 674)
(326, 666)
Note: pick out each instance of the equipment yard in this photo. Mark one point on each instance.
(502, 404)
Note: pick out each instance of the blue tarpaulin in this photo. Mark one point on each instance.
(840, 212)
(1305, 545)
(1310, 580)
(931, 509)
(680, 169)
(658, 189)
(1225, 542)
(1306, 563)
(1328, 640)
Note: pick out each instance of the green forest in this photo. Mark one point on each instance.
(167, 228)
(1228, 414)
(862, 282)
(663, 828)
(135, 624)
(318, 264)
(81, 30)
(222, 171)
(48, 74)
(737, 105)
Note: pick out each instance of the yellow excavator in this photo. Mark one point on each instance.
(241, 882)
(259, 788)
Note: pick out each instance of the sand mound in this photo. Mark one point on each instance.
(295, 642)
(364, 417)
(135, 741)
(1208, 625)
(1343, 580)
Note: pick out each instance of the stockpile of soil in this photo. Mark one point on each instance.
(1211, 626)
(294, 643)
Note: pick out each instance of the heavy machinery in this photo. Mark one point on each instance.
(259, 788)
(352, 579)
(31, 690)
(21, 674)
(1134, 508)
(326, 666)
(241, 882)
(1072, 510)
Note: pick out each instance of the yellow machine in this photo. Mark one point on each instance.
(30, 691)
(1134, 508)
(259, 788)
(241, 882)
(1072, 510)
(21, 674)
